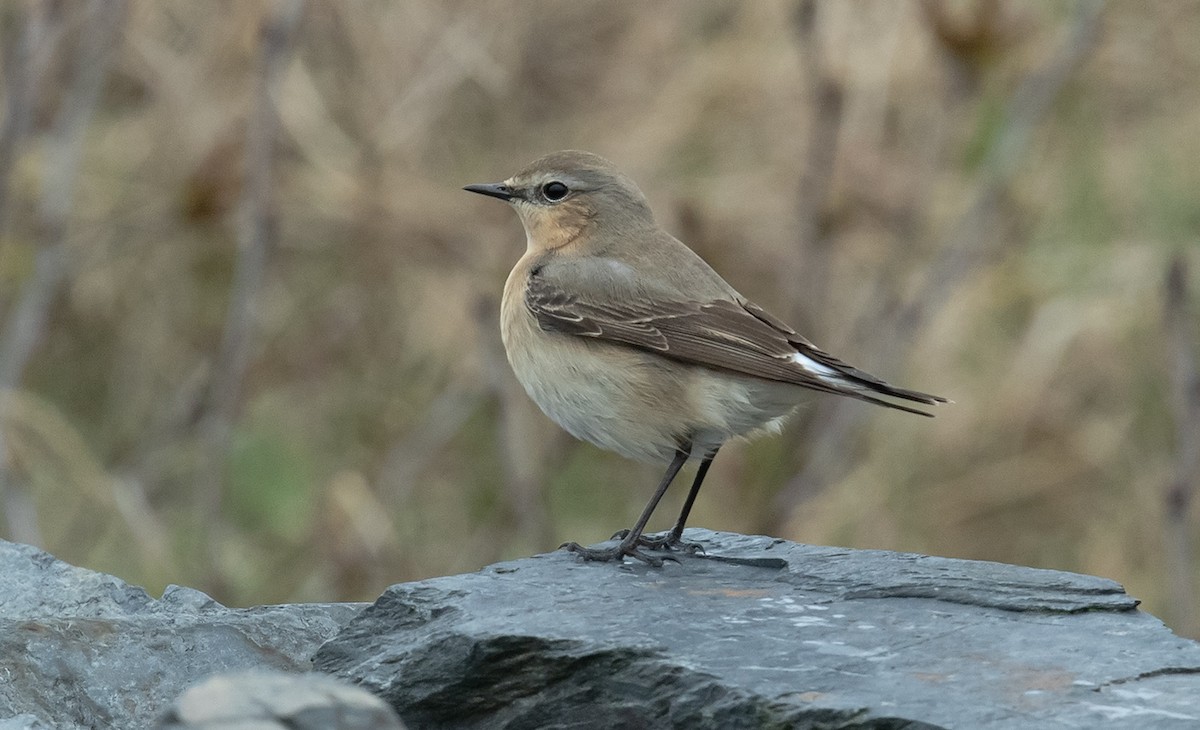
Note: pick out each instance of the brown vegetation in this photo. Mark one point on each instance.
(249, 319)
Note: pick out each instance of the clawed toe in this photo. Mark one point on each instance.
(689, 548)
(635, 548)
(619, 552)
(670, 542)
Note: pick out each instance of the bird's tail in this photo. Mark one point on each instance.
(838, 377)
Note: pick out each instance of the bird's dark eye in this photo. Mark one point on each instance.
(555, 191)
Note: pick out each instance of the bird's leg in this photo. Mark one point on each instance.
(673, 540)
(632, 539)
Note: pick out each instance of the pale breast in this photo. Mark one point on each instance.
(613, 397)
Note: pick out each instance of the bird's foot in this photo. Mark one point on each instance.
(666, 541)
(618, 552)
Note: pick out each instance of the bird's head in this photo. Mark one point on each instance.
(567, 197)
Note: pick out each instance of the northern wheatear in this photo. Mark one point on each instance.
(627, 339)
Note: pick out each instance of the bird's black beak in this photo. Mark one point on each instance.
(495, 190)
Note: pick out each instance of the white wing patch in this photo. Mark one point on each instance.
(823, 372)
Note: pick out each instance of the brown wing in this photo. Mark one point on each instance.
(737, 337)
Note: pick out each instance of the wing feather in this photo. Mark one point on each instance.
(732, 336)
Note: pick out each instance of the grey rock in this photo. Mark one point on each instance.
(278, 701)
(186, 599)
(79, 649)
(758, 633)
(34, 584)
(23, 722)
(766, 633)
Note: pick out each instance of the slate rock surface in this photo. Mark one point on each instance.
(766, 633)
(23, 722)
(80, 649)
(757, 633)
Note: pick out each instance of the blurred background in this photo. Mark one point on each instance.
(249, 321)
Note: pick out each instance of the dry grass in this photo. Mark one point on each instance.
(860, 168)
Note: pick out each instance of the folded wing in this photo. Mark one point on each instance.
(732, 336)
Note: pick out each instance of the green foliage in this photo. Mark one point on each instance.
(271, 485)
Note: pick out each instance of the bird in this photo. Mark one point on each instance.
(629, 340)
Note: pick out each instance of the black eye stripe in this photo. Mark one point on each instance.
(555, 191)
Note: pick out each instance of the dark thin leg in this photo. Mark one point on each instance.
(629, 544)
(674, 539)
(677, 530)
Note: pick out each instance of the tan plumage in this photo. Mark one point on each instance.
(627, 339)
